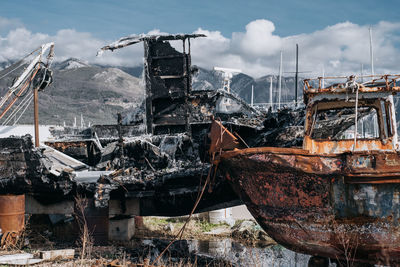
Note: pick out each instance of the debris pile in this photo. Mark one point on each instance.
(156, 153)
(24, 169)
(284, 128)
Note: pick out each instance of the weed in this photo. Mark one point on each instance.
(206, 226)
(85, 238)
(348, 244)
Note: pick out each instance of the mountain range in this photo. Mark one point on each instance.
(98, 92)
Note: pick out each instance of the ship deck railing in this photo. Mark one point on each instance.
(349, 84)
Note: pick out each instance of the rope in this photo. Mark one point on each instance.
(181, 231)
(20, 63)
(25, 80)
(199, 196)
(24, 95)
(17, 109)
(26, 107)
(19, 94)
(11, 71)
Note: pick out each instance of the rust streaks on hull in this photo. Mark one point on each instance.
(311, 209)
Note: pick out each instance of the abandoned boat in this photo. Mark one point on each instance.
(339, 195)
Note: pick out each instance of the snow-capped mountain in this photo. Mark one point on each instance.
(100, 92)
(96, 92)
(71, 63)
(5, 64)
(241, 85)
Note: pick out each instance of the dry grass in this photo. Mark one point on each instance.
(348, 244)
(195, 229)
(14, 242)
(85, 240)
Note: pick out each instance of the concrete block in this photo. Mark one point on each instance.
(121, 228)
(241, 213)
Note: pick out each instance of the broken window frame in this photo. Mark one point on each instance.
(389, 118)
(375, 103)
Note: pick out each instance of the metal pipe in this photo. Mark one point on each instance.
(355, 121)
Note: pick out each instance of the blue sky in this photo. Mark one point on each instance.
(112, 19)
(249, 35)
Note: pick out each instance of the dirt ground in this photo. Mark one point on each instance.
(39, 237)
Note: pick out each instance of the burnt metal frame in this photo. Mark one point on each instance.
(186, 75)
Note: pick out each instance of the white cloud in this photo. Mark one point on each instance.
(258, 40)
(8, 24)
(339, 49)
(68, 43)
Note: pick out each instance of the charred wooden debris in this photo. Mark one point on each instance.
(153, 155)
(156, 154)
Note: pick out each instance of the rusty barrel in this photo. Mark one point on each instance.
(12, 213)
(96, 220)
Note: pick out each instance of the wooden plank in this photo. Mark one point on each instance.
(24, 262)
(19, 259)
(16, 256)
(57, 254)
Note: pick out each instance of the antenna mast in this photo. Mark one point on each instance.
(252, 95)
(227, 74)
(280, 83)
(371, 52)
(270, 93)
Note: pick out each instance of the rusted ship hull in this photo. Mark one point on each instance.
(320, 205)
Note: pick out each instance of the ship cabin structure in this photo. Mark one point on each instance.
(351, 116)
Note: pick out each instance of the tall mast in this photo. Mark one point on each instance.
(297, 75)
(252, 95)
(323, 76)
(371, 52)
(280, 83)
(362, 120)
(362, 72)
(36, 115)
(270, 93)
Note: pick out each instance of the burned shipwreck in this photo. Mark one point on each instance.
(337, 195)
(149, 163)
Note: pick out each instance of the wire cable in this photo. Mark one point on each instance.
(18, 64)
(17, 109)
(23, 112)
(19, 93)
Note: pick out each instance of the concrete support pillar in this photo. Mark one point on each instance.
(122, 228)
